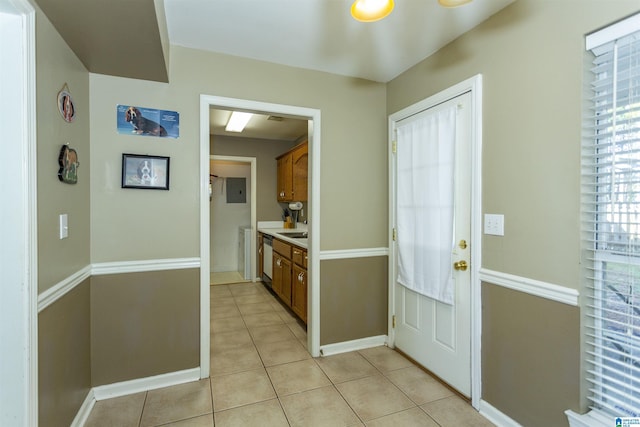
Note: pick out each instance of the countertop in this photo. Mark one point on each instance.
(276, 232)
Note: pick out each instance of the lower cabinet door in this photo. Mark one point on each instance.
(286, 281)
(276, 280)
(299, 292)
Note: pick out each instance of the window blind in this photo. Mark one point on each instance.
(611, 221)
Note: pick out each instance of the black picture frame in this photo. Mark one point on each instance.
(146, 172)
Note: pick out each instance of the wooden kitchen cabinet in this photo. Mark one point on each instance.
(281, 280)
(289, 281)
(286, 281)
(299, 257)
(293, 174)
(285, 178)
(299, 284)
(300, 172)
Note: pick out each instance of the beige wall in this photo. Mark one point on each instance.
(530, 360)
(353, 163)
(64, 369)
(56, 65)
(64, 357)
(144, 324)
(531, 56)
(265, 152)
(353, 299)
(139, 225)
(133, 224)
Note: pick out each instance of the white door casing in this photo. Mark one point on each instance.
(314, 131)
(18, 217)
(443, 338)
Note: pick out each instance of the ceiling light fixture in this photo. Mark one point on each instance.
(453, 3)
(371, 10)
(237, 121)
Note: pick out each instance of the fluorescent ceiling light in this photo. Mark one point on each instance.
(238, 121)
(371, 10)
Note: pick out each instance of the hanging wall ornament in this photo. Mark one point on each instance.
(65, 104)
(68, 161)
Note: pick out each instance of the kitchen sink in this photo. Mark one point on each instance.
(295, 234)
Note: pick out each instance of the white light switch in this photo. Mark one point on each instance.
(494, 224)
(64, 226)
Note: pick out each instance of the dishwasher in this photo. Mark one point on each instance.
(267, 259)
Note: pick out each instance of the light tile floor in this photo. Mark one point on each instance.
(262, 375)
(226, 278)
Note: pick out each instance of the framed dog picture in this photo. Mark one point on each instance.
(142, 121)
(143, 171)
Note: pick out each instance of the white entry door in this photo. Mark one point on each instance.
(436, 334)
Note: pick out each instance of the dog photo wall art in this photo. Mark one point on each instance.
(132, 120)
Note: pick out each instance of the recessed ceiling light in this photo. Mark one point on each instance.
(371, 10)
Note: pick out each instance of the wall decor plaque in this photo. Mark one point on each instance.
(68, 161)
(66, 107)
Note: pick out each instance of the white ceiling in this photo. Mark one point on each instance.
(318, 35)
(260, 127)
(321, 34)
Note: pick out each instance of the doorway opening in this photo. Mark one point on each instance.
(312, 116)
(232, 198)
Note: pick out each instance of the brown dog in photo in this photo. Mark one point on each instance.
(142, 125)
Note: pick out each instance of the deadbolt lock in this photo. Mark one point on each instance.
(463, 244)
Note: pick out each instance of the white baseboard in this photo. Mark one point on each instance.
(85, 410)
(495, 416)
(145, 384)
(346, 346)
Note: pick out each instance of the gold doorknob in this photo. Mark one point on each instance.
(460, 265)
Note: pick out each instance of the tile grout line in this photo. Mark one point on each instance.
(277, 397)
(144, 404)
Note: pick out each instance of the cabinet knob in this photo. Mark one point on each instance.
(278, 262)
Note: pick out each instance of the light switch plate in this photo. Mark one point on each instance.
(64, 226)
(494, 224)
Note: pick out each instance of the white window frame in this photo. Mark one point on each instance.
(602, 386)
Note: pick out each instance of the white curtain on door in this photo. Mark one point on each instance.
(425, 203)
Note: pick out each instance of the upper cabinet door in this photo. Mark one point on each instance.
(285, 179)
(293, 174)
(300, 160)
